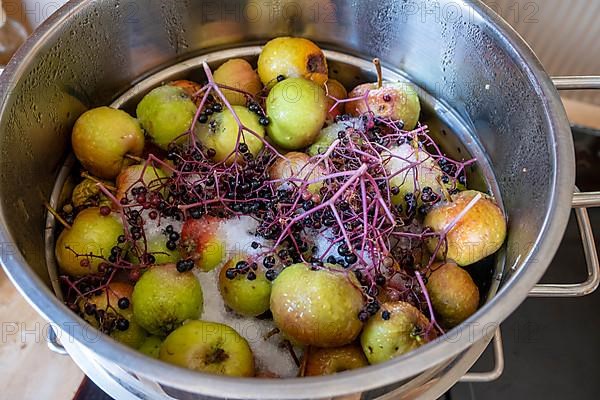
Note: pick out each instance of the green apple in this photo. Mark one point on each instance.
(81, 248)
(222, 131)
(166, 113)
(200, 241)
(396, 329)
(102, 137)
(396, 101)
(164, 298)
(245, 294)
(239, 74)
(297, 108)
(454, 295)
(134, 176)
(477, 234)
(328, 361)
(110, 301)
(291, 57)
(151, 346)
(156, 245)
(297, 165)
(209, 347)
(317, 307)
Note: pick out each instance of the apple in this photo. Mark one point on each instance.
(297, 108)
(88, 194)
(208, 347)
(164, 298)
(221, 133)
(140, 175)
(248, 292)
(155, 245)
(411, 169)
(335, 90)
(297, 165)
(454, 295)
(151, 346)
(200, 241)
(102, 137)
(328, 361)
(317, 307)
(239, 74)
(189, 87)
(166, 114)
(290, 57)
(396, 329)
(396, 101)
(476, 235)
(115, 304)
(81, 248)
(330, 133)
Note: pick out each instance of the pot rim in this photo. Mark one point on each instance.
(486, 318)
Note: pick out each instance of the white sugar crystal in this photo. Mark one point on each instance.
(268, 354)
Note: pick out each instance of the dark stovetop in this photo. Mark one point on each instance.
(550, 345)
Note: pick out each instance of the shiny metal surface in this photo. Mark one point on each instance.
(583, 200)
(496, 372)
(576, 82)
(467, 57)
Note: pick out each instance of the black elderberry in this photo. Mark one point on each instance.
(123, 303)
(385, 315)
(122, 324)
(171, 245)
(271, 274)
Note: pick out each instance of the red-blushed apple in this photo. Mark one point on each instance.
(335, 90)
(475, 235)
(238, 73)
(200, 242)
(454, 295)
(328, 361)
(396, 101)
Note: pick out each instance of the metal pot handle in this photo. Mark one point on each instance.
(581, 201)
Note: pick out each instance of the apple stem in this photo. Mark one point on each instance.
(377, 64)
(57, 216)
(85, 174)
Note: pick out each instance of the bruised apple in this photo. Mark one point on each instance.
(291, 57)
(328, 361)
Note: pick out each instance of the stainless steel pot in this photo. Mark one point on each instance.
(459, 52)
